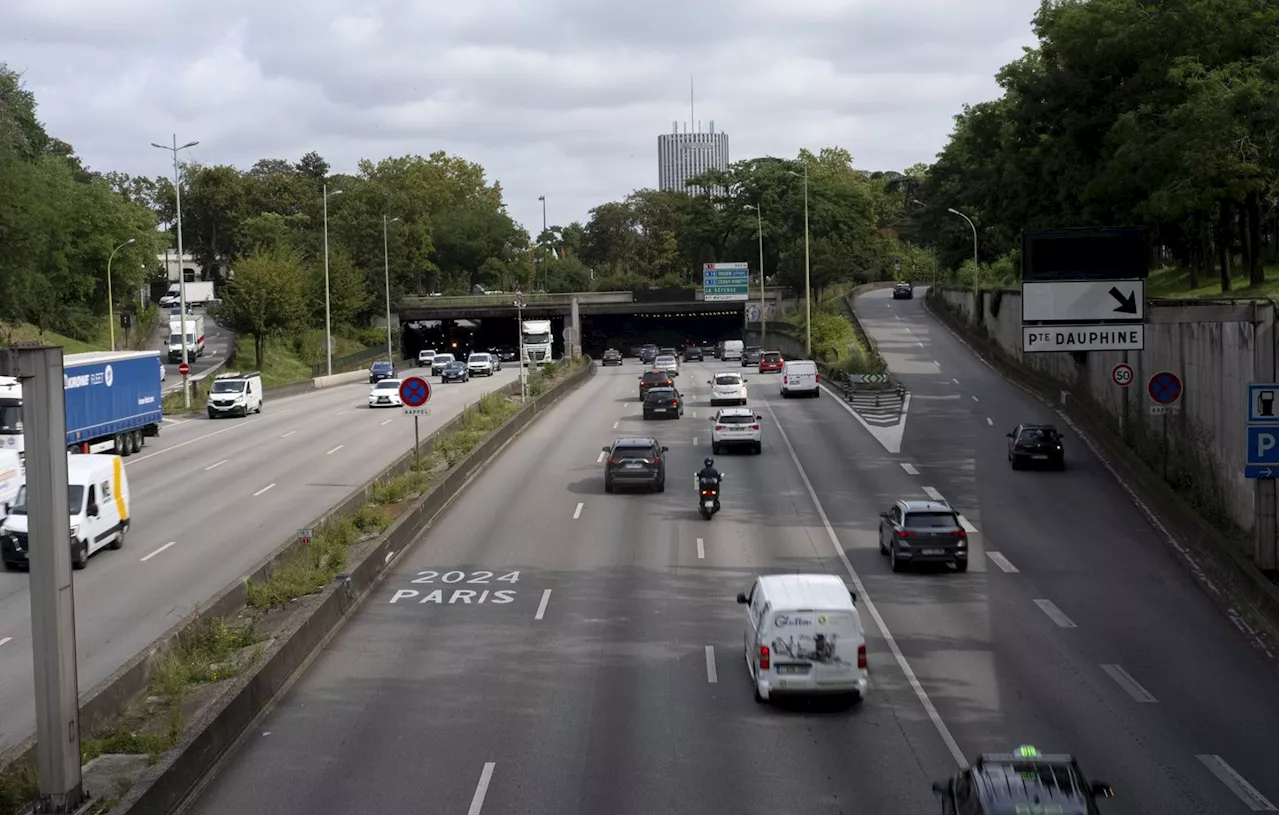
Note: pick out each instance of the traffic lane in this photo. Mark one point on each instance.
(217, 344)
(1110, 573)
(609, 692)
(197, 529)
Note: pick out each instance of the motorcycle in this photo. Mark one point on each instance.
(708, 497)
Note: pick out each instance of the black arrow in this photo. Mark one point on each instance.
(1128, 305)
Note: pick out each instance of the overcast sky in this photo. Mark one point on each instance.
(558, 97)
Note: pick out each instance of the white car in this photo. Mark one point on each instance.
(481, 364)
(667, 363)
(385, 394)
(425, 356)
(735, 427)
(728, 388)
(439, 361)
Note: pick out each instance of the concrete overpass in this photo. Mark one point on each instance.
(543, 305)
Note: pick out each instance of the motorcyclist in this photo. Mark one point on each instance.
(709, 473)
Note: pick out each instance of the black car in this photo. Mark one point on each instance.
(693, 353)
(1036, 444)
(647, 354)
(635, 460)
(379, 371)
(708, 349)
(751, 356)
(504, 353)
(611, 357)
(655, 379)
(923, 532)
(454, 372)
(902, 291)
(1025, 781)
(663, 403)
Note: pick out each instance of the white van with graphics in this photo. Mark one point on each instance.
(97, 500)
(11, 477)
(804, 637)
(799, 376)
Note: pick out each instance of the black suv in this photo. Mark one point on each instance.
(666, 403)
(1026, 781)
(611, 357)
(380, 371)
(902, 291)
(692, 353)
(655, 379)
(635, 460)
(1032, 444)
(923, 532)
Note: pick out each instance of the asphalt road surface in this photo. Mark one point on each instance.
(211, 498)
(218, 342)
(610, 678)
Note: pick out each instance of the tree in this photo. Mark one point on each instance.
(348, 296)
(265, 298)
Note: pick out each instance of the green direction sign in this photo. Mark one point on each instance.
(725, 282)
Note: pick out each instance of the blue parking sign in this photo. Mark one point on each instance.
(1263, 455)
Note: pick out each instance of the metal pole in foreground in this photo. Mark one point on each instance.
(53, 616)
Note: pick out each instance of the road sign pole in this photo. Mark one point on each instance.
(417, 446)
(1164, 443)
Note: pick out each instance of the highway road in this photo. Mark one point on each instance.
(218, 342)
(211, 498)
(611, 678)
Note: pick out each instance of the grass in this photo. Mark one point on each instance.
(1176, 282)
(98, 337)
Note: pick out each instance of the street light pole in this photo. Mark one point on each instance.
(182, 275)
(760, 238)
(328, 328)
(520, 343)
(977, 303)
(386, 270)
(111, 311)
(546, 282)
(808, 290)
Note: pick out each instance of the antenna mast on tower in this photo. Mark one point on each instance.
(691, 119)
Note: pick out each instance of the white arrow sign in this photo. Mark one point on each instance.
(1083, 301)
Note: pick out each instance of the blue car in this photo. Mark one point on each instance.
(380, 371)
(455, 372)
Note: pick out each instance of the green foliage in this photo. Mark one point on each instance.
(265, 298)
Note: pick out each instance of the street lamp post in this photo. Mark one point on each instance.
(328, 328)
(760, 237)
(546, 282)
(520, 345)
(182, 276)
(977, 302)
(808, 312)
(386, 270)
(111, 311)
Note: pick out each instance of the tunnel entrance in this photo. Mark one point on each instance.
(462, 337)
(627, 332)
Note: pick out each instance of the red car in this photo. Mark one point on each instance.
(771, 361)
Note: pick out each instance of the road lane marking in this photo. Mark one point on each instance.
(865, 599)
(711, 664)
(967, 525)
(215, 464)
(1224, 772)
(577, 512)
(937, 364)
(339, 413)
(910, 468)
(264, 489)
(482, 789)
(693, 414)
(702, 552)
(626, 405)
(1054, 613)
(287, 435)
(1128, 684)
(695, 441)
(934, 494)
(236, 426)
(974, 398)
(615, 425)
(385, 423)
(334, 450)
(542, 604)
(920, 344)
(600, 458)
(990, 423)
(1003, 562)
(5, 639)
(957, 381)
(156, 552)
(908, 328)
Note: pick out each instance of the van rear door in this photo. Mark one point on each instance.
(816, 644)
(800, 375)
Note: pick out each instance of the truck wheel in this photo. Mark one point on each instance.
(80, 555)
(118, 443)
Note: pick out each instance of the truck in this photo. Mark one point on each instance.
(199, 292)
(194, 330)
(113, 403)
(536, 335)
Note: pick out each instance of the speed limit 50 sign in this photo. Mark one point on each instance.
(1122, 375)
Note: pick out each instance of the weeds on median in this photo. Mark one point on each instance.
(19, 785)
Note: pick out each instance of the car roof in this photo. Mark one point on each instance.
(662, 374)
(634, 441)
(795, 591)
(383, 383)
(1004, 781)
(727, 373)
(1037, 426)
(382, 363)
(737, 411)
(920, 505)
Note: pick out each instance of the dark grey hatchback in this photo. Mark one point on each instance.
(380, 371)
(923, 532)
(635, 460)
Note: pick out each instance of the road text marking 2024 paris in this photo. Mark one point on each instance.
(463, 596)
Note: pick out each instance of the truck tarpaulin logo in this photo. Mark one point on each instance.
(104, 377)
(108, 375)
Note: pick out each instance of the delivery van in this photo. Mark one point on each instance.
(10, 478)
(235, 393)
(799, 376)
(97, 500)
(732, 349)
(804, 637)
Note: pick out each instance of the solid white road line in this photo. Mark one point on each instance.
(577, 511)
(600, 458)
(702, 553)
(865, 599)
(482, 789)
(711, 664)
(3, 640)
(264, 489)
(1003, 562)
(334, 450)
(1054, 613)
(215, 464)
(385, 423)
(1128, 684)
(911, 470)
(1224, 772)
(156, 552)
(542, 604)
(934, 494)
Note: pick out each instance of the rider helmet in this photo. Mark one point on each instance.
(708, 462)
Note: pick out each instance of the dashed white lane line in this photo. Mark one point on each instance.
(910, 468)
(577, 511)
(1225, 773)
(1128, 684)
(3, 640)
(542, 604)
(974, 398)
(385, 423)
(215, 465)
(920, 344)
(615, 425)
(965, 523)
(600, 458)
(236, 426)
(695, 441)
(1054, 613)
(934, 494)
(287, 435)
(693, 414)
(1003, 562)
(334, 450)
(957, 381)
(339, 413)
(990, 423)
(702, 552)
(711, 664)
(145, 558)
(482, 789)
(264, 489)
(908, 328)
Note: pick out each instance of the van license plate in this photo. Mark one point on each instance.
(793, 669)
(931, 552)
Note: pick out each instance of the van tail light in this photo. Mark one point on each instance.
(815, 378)
(862, 657)
(784, 379)
(754, 427)
(905, 533)
(764, 657)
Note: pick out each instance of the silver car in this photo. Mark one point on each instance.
(667, 363)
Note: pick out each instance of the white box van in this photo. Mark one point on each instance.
(11, 477)
(804, 636)
(98, 500)
(235, 394)
(799, 376)
(732, 349)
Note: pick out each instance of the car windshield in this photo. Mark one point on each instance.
(632, 452)
(478, 358)
(658, 394)
(655, 376)
(228, 386)
(10, 417)
(728, 379)
(443, 358)
(772, 356)
(931, 520)
(388, 385)
(381, 366)
(735, 419)
(75, 499)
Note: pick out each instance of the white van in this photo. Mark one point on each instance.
(235, 394)
(98, 500)
(732, 349)
(804, 636)
(799, 376)
(11, 476)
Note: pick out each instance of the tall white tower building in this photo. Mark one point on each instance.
(685, 155)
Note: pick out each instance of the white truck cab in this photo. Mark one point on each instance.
(235, 394)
